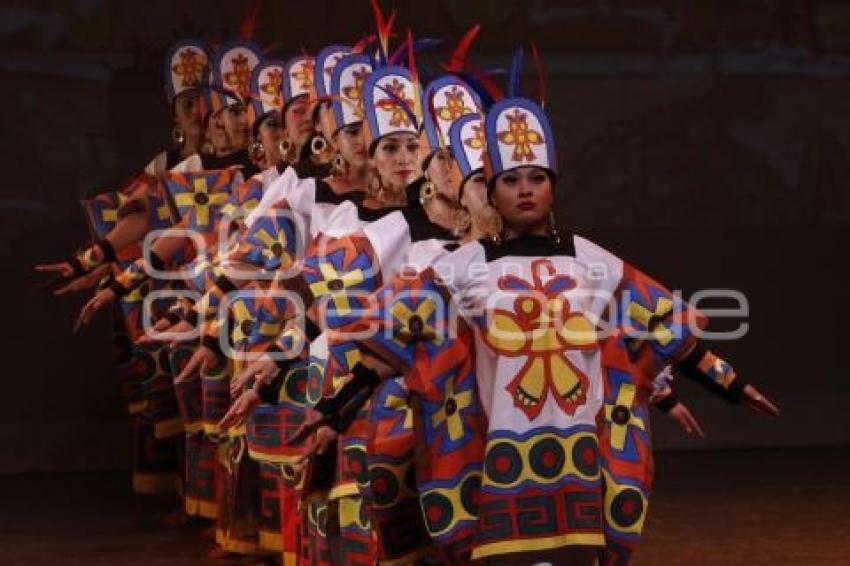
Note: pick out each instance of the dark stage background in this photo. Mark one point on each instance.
(706, 142)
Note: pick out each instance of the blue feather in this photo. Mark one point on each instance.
(516, 72)
(400, 56)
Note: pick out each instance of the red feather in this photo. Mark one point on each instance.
(361, 45)
(249, 24)
(389, 29)
(489, 85)
(380, 22)
(541, 76)
(458, 58)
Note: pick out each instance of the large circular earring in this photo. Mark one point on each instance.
(427, 191)
(178, 137)
(256, 151)
(318, 145)
(339, 165)
(553, 227)
(285, 147)
(375, 184)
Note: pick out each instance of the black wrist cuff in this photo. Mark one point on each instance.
(311, 329)
(363, 380)
(211, 343)
(156, 261)
(118, 289)
(224, 284)
(77, 266)
(735, 392)
(107, 249)
(665, 404)
(689, 366)
(173, 317)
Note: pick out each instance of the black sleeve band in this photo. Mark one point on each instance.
(363, 380)
(341, 421)
(225, 284)
(117, 288)
(77, 267)
(689, 366)
(107, 249)
(211, 343)
(156, 261)
(311, 329)
(282, 362)
(173, 317)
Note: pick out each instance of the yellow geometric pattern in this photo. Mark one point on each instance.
(651, 320)
(335, 285)
(454, 421)
(520, 136)
(201, 200)
(417, 318)
(625, 398)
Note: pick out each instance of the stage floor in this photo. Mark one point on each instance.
(735, 508)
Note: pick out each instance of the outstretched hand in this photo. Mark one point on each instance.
(83, 282)
(62, 268)
(313, 420)
(164, 331)
(685, 419)
(262, 370)
(240, 409)
(101, 300)
(202, 359)
(756, 401)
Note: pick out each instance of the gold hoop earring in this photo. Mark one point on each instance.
(339, 165)
(427, 191)
(256, 151)
(318, 145)
(553, 227)
(178, 137)
(375, 183)
(286, 148)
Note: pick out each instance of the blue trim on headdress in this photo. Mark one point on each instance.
(531, 107)
(368, 97)
(428, 122)
(321, 57)
(346, 62)
(460, 156)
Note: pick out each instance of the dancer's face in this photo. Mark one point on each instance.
(439, 170)
(236, 125)
(396, 159)
(270, 133)
(474, 197)
(351, 145)
(187, 113)
(217, 136)
(523, 197)
(298, 121)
